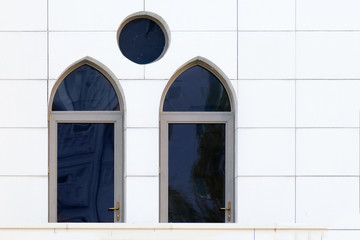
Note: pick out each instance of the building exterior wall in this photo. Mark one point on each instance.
(294, 66)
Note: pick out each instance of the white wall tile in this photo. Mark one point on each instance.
(327, 15)
(266, 15)
(23, 15)
(266, 103)
(142, 151)
(90, 14)
(69, 47)
(266, 151)
(218, 47)
(342, 234)
(333, 103)
(23, 55)
(327, 151)
(327, 55)
(23, 200)
(266, 55)
(142, 199)
(23, 103)
(195, 15)
(23, 151)
(142, 98)
(287, 235)
(331, 201)
(266, 200)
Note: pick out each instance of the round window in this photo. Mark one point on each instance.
(142, 39)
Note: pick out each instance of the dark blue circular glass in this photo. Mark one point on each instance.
(142, 40)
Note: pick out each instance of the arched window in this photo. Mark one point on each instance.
(85, 144)
(197, 146)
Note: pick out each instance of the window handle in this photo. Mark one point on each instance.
(117, 209)
(228, 209)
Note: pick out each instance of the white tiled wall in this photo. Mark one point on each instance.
(266, 103)
(23, 103)
(266, 15)
(142, 200)
(327, 15)
(277, 154)
(142, 99)
(328, 55)
(294, 66)
(23, 199)
(327, 151)
(23, 15)
(266, 55)
(23, 55)
(266, 199)
(327, 103)
(23, 151)
(197, 15)
(90, 15)
(333, 201)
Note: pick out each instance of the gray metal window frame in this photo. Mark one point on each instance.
(228, 118)
(115, 117)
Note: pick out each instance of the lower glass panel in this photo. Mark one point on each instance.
(85, 184)
(196, 172)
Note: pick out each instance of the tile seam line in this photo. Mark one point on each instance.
(298, 176)
(210, 30)
(276, 127)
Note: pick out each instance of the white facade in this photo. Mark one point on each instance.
(294, 66)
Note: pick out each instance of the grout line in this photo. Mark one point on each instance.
(36, 175)
(248, 127)
(297, 176)
(299, 79)
(199, 30)
(237, 43)
(254, 234)
(23, 31)
(239, 79)
(47, 53)
(295, 72)
(143, 5)
(359, 162)
(23, 127)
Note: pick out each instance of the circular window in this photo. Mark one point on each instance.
(142, 39)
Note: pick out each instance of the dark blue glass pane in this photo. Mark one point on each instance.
(142, 40)
(196, 172)
(196, 89)
(85, 168)
(85, 89)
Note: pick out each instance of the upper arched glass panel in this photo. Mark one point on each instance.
(196, 89)
(85, 89)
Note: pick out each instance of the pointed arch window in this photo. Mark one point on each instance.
(85, 143)
(197, 147)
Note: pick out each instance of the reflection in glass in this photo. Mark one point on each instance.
(142, 40)
(196, 172)
(85, 172)
(196, 89)
(85, 89)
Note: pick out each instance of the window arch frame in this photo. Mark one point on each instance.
(115, 117)
(227, 117)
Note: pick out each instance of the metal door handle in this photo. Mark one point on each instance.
(113, 209)
(117, 209)
(228, 209)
